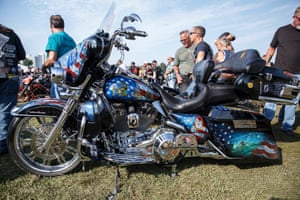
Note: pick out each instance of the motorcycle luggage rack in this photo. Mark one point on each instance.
(280, 93)
(278, 100)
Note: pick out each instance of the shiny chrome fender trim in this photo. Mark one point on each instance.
(27, 109)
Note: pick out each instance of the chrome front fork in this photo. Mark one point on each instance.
(56, 130)
(67, 111)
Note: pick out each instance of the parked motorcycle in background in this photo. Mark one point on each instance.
(110, 114)
(34, 87)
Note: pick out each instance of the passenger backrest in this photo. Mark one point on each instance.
(202, 71)
(246, 61)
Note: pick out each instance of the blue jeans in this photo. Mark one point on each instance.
(269, 110)
(8, 99)
(289, 113)
(172, 83)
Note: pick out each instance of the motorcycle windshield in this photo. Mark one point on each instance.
(108, 20)
(104, 27)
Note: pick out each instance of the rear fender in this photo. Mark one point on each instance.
(33, 108)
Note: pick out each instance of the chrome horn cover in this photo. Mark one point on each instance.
(58, 75)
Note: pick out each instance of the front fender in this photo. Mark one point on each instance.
(32, 108)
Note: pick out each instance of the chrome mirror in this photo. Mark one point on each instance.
(131, 18)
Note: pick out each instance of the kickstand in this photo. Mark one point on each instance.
(174, 170)
(83, 166)
(112, 195)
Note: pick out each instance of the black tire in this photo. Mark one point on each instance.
(25, 139)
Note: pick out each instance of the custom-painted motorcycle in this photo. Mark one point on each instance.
(110, 114)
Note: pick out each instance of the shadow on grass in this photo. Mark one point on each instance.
(280, 136)
(8, 169)
(186, 163)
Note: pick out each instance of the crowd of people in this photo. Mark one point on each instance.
(150, 71)
(177, 73)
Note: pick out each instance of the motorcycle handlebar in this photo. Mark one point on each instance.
(131, 32)
(140, 33)
(121, 45)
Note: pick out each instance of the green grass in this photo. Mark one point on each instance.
(198, 179)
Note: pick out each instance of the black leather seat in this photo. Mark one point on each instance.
(194, 97)
(181, 104)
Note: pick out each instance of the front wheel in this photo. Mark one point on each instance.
(27, 135)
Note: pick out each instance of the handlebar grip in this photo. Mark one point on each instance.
(140, 33)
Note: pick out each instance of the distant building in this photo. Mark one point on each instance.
(38, 61)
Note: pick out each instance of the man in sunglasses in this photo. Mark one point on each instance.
(203, 50)
(184, 61)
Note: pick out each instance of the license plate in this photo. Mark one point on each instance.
(244, 124)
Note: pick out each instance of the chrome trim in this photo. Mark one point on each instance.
(278, 100)
(56, 130)
(29, 115)
(81, 141)
(66, 112)
(175, 125)
(58, 74)
(289, 91)
(221, 153)
(127, 159)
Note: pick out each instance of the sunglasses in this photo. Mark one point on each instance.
(191, 33)
(297, 18)
(184, 40)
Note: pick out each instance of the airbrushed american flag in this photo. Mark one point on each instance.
(244, 143)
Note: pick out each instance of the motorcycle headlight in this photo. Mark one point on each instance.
(58, 75)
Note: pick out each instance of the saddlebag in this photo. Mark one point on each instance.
(239, 133)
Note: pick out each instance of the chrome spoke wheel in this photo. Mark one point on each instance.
(30, 133)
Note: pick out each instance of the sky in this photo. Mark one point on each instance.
(252, 22)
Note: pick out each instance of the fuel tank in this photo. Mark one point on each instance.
(122, 88)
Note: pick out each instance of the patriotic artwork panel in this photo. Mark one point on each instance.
(124, 88)
(75, 63)
(243, 143)
(195, 124)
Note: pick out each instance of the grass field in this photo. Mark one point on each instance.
(197, 179)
